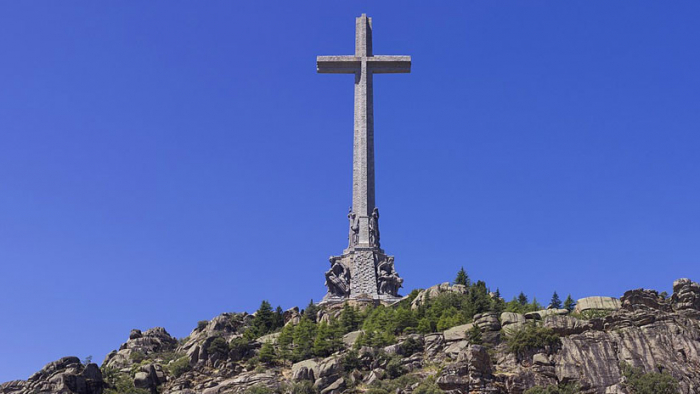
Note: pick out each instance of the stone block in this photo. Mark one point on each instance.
(597, 303)
(457, 333)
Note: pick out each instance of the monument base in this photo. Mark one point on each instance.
(362, 275)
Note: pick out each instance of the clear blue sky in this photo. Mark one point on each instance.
(162, 162)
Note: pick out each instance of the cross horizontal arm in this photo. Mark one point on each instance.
(338, 64)
(389, 64)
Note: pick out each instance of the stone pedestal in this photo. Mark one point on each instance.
(371, 277)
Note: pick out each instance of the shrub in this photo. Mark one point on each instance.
(531, 337)
(592, 314)
(394, 368)
(427, 388)
(120, 383)
(217, 346)
(393, 385)
(179, 366)
(303, 387)
(474, 335)
(137, 356)
(202, 324)
(649, 383)
(351, 360)
(411, 346)
(259, 389)
(569, 388)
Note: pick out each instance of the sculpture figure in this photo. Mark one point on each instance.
(374, 228)
(387, 277)
(338, 278)
(354, 228)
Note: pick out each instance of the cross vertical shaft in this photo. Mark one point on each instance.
(364, 64)
(363, 147)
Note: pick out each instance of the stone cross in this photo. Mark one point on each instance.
(363, 64)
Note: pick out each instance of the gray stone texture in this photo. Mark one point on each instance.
(363, 271)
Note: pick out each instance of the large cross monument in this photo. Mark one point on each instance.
(363, 271)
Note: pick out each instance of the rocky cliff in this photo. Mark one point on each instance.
(588, 350)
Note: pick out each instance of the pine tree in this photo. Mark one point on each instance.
(311, 311)
(462, 278)
(279, 318)
(555, 303)
(498, 304)
(304, 336)
(264, 320)
(348, 319)
(285, 342)
(322, 346)
(569, 303)
(534, 305)
(522, 299)
(267, 353)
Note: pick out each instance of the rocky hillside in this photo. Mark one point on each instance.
(644, 343)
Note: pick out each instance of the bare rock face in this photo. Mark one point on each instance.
(64, 376)
(644, 329)
(644, 299)
(154, 340)
(686, 295)
(436, 290)
(597, 303)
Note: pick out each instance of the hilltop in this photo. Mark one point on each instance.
(453, 337)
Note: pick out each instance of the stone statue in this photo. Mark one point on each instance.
(374, 228)
(338, 278)
(353, 235)
(387, 277)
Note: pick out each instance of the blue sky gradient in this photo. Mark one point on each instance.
(163, 162)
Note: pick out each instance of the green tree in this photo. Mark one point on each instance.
(267, 353)
(450, 318)
(311, 311)
(534, 306)
(404, 318)
(349, 319)
(285, 342)
(569, 303)
(278, 320)
(555, 302)
(514, 306)
(425, 326)
(264, 320)
(462, 278)
(649, 383)
(522, 299)
(322, 346)
(498, 304)
(304, 336)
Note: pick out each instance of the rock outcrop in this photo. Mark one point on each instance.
(644, 329)
(65, 376)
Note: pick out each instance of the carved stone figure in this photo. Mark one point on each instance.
(374, 228)
(354, 228)
(387, 277)
(338, 278)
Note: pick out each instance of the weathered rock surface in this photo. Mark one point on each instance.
(435, 291)
(65, 376)
(643, 328)
(597, 303)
